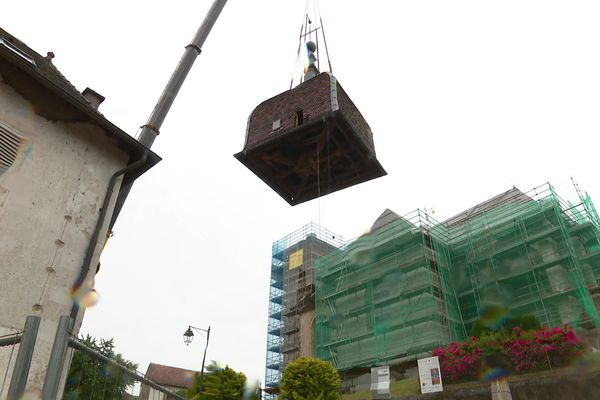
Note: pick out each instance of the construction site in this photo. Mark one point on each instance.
(291, 298)
(412, 283)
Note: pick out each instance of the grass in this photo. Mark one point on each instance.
(404, 387)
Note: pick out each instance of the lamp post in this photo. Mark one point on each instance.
(188, 336)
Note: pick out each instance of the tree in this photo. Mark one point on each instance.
(310, 379)
(91, 378)
(219, 384)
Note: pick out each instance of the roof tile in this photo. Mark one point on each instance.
(170, 376)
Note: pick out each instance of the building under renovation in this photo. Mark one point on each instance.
(386, 296)
(412, 283)
(292, 297)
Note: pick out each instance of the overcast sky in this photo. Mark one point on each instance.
(465, 100)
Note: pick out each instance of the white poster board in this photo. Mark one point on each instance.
(380, 382)
(430, 375)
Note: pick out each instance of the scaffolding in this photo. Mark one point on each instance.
(535, 254)
(413, 283)
(291, 298)
(386, 297)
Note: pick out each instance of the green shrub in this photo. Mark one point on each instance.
(524, 322)
(482, 327)
(310, 379)
(478, 329)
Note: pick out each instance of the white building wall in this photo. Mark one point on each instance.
(49, 206)
(153, 394)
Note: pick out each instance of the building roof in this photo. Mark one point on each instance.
(385, 218)
(512, 195)
(170, 376)
(37, 79)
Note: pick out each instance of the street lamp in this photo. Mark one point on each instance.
(188, 336)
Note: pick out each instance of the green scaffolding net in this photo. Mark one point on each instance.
(413, 284)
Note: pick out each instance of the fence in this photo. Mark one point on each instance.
(9, 347)
(59, 350)
(17, 349)
(107, 367)
(21, 343)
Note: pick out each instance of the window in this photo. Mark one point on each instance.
(299, 117)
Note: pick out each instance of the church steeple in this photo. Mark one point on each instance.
(311, 69)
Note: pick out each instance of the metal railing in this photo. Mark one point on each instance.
(63, 341)
(24, 343)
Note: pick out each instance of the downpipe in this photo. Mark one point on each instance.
(89, 255)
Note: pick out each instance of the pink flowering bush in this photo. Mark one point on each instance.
(517, 352)
(460, 361)
(543, 348)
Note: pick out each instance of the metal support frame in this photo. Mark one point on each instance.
(523, 231)
(11, 340)
(207, 331)
(152, 128)
(203, 361)
(575, 273)
(57, 359)
(23, 362)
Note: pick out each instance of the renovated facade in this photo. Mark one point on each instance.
(290, 331)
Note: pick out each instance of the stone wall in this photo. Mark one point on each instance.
(573, 384)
